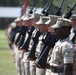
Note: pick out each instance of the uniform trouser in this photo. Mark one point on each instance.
(52, 73)
(48, 72)
(26, 67)
(40, 71)
(18, 62)
(15, 52)
(74, 72)
(22, 67)
(25, 70)
(32, 68)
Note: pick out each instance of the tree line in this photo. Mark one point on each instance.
(40, 3)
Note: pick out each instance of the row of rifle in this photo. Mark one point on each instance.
(49, 41)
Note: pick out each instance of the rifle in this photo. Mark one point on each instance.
(43, 11)
(45, 41)
(13, 33)
(58, 12)
(22, 37)
(21, 30)
(34, 4)
(69, 12)
(26, 43)
(44, 53)
(68, 15)
(43, 58)
(32, 51)
(47, 9)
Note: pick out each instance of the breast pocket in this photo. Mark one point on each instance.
(57, 55)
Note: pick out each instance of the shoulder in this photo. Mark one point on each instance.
(67, 46)
(67, 43)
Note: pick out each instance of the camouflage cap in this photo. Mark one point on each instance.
(26, 17)
(42, 20)
(73, 17)
(62, 22)
(34, 16)
(49, 21)
(17, 19)
(52, 19)
(22, 17)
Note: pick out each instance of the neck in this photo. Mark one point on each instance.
(64, 37)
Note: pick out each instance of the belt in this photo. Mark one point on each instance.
(56, 69)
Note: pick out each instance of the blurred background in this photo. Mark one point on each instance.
(10, 10)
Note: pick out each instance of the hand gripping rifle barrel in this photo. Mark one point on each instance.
(69, 12)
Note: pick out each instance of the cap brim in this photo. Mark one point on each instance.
(39, 23)
(48, 22)
(55, 16)
(26, 19)
(55, 26)
(18, 19)
(31, 18)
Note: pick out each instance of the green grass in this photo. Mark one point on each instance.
(7, 66)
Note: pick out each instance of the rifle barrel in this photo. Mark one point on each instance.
(62, 3)
(73, 6)
(58, 12)
(49, 5)
(69, 12)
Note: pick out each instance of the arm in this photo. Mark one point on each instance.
(68, 69)
(68, 61)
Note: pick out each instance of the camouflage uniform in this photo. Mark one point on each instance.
(63, 51)
(52, 20)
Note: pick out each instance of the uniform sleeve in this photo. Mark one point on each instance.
(68, 55)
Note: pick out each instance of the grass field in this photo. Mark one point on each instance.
(7, 66)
